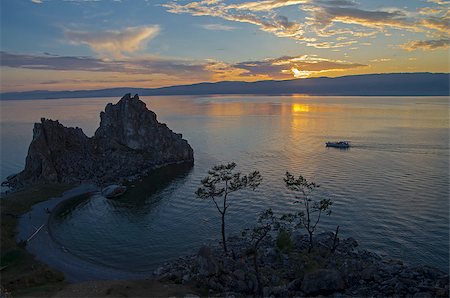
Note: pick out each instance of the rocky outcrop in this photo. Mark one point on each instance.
(345, 272)
(322, 281)
(130, 141)
(206, 262)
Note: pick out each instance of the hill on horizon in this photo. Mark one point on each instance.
(393, 84)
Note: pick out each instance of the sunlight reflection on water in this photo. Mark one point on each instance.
(390, 189)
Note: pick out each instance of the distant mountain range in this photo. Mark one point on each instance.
(395, 84)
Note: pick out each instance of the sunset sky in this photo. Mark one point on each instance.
(91, 44)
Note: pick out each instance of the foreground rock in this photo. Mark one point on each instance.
(346, 272)
(130, 141)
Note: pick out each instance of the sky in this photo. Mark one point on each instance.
(93, 44)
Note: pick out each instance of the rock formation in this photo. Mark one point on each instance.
(130, 141)
(348, 271)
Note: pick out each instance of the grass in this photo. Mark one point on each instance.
(21, 274)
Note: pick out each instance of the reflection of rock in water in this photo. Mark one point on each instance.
(141, 195)
(142, 192)
(62, 211)
(130, 141)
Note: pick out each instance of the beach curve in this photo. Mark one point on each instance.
(48, 251)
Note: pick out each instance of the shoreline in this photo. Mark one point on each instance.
(358, 271)
(43, 247)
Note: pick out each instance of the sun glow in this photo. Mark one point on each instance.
(298, 108)
(300, 73)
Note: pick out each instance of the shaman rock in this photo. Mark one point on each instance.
(130, 141)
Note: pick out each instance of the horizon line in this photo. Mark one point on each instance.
(225, 81)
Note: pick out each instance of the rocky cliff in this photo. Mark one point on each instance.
(130, 141)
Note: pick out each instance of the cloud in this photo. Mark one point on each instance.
(439, 23)
(114, 43)
(265, 5)
(319, 24)
(149, 65)
(440, 2)
(51, 62)
(324, 17)
(327, 32)
(37, 1)
(201, 8)
(287, 67)
(193, 71)
(84, 81)
(277, 25)
(381, 60)
(427, 45)
(282, 27)
(330, 44)
(336, 2)
(217, 27)
(298, 66)
(222, 71)
(244, 13)
(430, 10)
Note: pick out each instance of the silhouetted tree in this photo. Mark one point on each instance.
(265, 224)
(310, 217)
(221, 181)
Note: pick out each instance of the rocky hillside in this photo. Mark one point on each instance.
(130, 141)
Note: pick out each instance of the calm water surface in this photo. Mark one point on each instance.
(391, 189)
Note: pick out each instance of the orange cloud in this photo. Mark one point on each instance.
(242, 13)
(266, 5)
(441, 24)
(53, 70)
(440, 2)
(323, 16)
(289, 67)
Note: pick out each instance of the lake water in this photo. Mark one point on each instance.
(390, 189)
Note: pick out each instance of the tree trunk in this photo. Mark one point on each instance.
(223, 233)
(310, 241)
(335, 239)
(258, 278)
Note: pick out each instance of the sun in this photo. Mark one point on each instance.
(298, 108)
(300, 74)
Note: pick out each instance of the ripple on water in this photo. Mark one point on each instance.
(390, 190)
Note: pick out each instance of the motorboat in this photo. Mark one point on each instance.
(339, 144)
